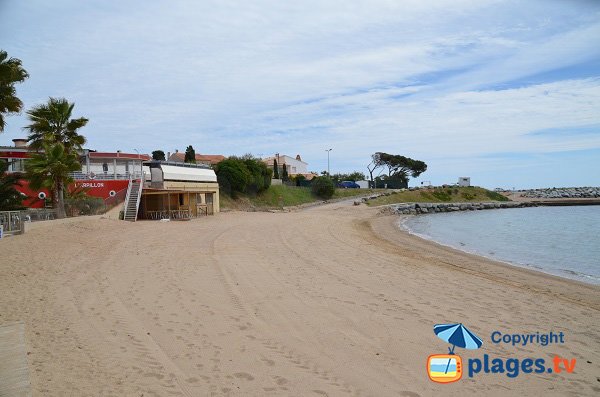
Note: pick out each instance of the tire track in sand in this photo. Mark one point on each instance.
(274, 344)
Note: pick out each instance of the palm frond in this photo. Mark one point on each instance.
(51, 123)
(11, 73)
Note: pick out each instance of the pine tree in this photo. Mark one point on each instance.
(284, 175)
(275, 169)
(190, 155)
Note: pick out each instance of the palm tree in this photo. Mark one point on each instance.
(11, 72)
(51, 123)
(51, 169)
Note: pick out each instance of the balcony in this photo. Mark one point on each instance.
(105, 176)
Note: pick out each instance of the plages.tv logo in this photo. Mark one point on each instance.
(446, 368)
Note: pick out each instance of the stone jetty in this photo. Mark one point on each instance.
(428, 208)
(564, 193)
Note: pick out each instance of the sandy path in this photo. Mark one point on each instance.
(325, 301)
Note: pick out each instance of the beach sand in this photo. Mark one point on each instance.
(331, 300)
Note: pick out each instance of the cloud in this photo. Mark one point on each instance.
(432, 80)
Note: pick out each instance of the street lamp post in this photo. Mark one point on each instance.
(141, 165)
(328, 173)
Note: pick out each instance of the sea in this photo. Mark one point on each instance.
(563, 241)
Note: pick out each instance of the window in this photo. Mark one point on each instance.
(16, 165)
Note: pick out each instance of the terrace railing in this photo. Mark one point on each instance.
(108, 176)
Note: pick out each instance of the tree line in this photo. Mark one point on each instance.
(189, 156)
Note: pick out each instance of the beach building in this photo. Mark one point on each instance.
(207, 159)
(148, 189)
(105, 175)
(173, 190)
(464, 181)
(293, 165)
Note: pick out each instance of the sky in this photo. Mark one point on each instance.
(506, 92)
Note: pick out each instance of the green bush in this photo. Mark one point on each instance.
(232, 176)
(260, 176)
(299, 180)
(323, 187)
(85, 205)
(246, 175)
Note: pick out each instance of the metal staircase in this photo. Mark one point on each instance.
(132, 200)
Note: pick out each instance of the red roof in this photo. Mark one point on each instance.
(23, 152)
(200, 158)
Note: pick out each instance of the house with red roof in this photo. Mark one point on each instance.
(208, 159)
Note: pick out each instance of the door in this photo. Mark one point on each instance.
(209, 203)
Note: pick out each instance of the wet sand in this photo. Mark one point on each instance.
(331, 300)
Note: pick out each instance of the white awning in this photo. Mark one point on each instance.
(192, 174)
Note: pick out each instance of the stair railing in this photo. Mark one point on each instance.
(139, 196)
(127, 197)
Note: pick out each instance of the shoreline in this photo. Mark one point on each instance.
(522, 277)
(418, 208)
(576, 276)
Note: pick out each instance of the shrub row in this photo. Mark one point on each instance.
(243, 175)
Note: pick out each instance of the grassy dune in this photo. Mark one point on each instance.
(440, 195)
(290, 196)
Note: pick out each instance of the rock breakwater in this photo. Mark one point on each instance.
(428, 208)
(566, 192)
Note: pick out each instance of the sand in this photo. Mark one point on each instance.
(330, 300)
